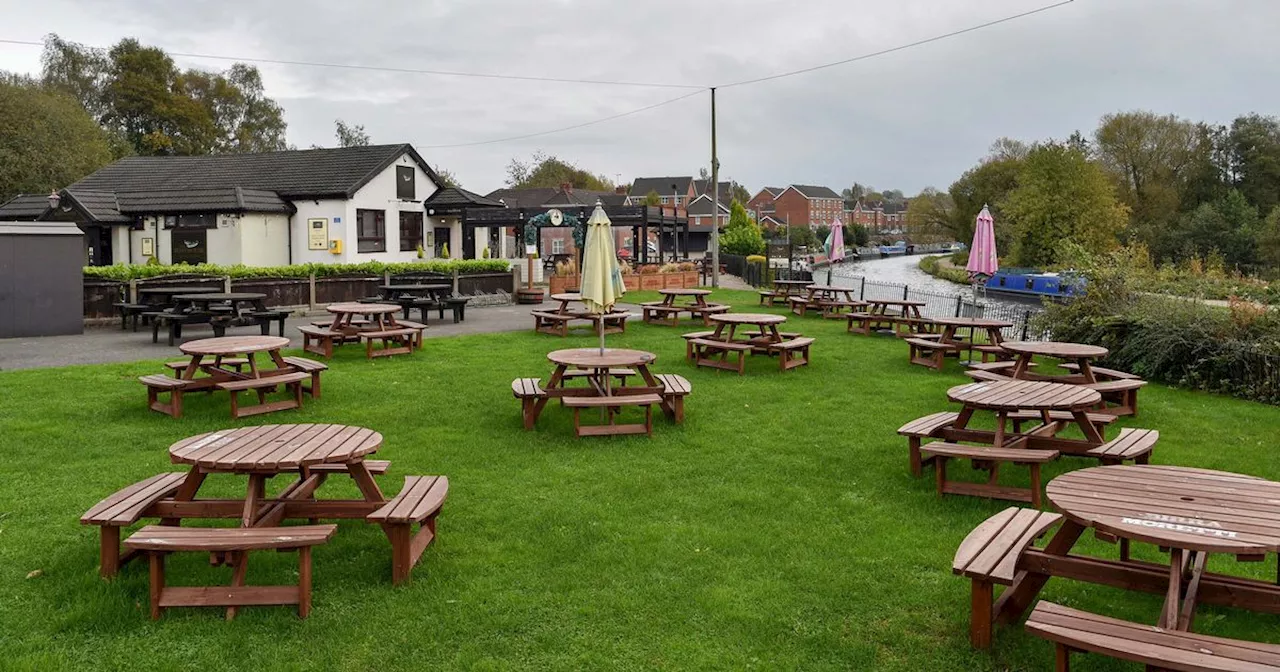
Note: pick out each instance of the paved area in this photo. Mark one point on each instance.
(98, 345)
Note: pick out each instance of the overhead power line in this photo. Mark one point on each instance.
(569, 128)
(863, 57)
(414, 71)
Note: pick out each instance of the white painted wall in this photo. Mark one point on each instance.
(224, 242)
(264, 239)
(341, 227)
(380, 194)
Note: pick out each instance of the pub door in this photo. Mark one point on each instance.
(468, 242)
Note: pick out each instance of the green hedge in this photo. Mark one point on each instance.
(124, 273)
(931, 266)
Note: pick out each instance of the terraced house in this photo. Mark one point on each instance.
(803, 204)
(345, 205)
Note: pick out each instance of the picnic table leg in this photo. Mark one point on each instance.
(364, 480)
(1187, 615)
(1169, 612)
(557, 380)
(189, 373)
(1026, 585)
(1086, 371)
(1020, 369)
(1002, 418)
(241, 560)
(257, 488)
(1091, 433)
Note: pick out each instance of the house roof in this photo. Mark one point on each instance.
(99, 206)
(643, 185)
(214, 199)
(295, 174)
(891, 208)
(702, 206)
(540, 197)
(810, 191)
(24, 207)
(770, 220)
(457, 197)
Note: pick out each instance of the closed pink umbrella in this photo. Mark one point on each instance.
(982, 254)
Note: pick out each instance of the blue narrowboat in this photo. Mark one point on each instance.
(1031, 283)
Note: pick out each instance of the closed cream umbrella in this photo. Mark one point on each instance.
(601, 278)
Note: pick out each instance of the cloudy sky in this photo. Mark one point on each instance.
(906, 120)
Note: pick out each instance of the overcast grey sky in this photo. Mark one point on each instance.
(905, 120)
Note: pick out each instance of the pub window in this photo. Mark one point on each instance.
(557, 246)
(410, 231)
(371, 231)
(404, 183)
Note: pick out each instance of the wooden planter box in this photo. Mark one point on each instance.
(673, 280)
(631, 282)
(562, 284)
(651, 281)
(690, 279)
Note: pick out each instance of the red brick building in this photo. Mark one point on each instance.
(877, 216)
(762, 203)
(809, 205)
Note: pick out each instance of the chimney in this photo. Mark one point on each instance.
(620, 190)
(566, 187)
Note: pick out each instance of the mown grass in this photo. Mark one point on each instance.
(776, 529)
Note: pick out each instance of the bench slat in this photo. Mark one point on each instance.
(126, 506)
(1130, 443)
(421, 497)
(674, 383)
(616, 400)
(170, 538)
(990, 452)
(265, 381)
(929, 424)
(1148, 644)
(991, 550)
(722, 345)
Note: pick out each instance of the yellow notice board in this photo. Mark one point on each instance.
(318, 234)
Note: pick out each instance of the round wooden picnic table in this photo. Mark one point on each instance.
(361, 308)
(382, 314)
(973, 322)
(749, 318)
(684, 292)
(230, 346)
(1191, 512)
(1010, 396)
(766, 322)
(951, 325)
(275, 448)
(1192, 509)
(793, 283)
(1080, 353)
(593, 358)
(895, 302)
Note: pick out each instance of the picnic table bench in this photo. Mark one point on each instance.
(372, 323)
(712, 350)
(668, 310)
(1119, 389)
(311, 453)
(152, 299)
(929, 350)
(782, 290)
(559, 321)
(1188, 513)
(223, 361)
(905, 319)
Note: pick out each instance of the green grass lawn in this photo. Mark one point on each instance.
(778, 528)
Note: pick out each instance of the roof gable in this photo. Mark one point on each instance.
(811, 191)
(702, 206)
(662, 185)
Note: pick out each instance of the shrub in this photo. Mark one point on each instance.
(932, 266)
(670, 267)
(567, 268)
(687, 266)
(755, 259)
(125, 273)
(648, 269)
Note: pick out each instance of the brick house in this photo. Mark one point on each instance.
(762, 203)
(878, 216)
(803, 204)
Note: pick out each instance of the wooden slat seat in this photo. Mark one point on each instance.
(985, 375)
(1100, 420)
(291, 381)
(993, 350)
(418, 329)
(1121, 393)
(989, 555)
(312, 368)
(692, 336)
(612, 405)
(158, 541)
(930, 426)
(675, 388)
(157, 384)
(397, 341)
(1131, 444)
(1158, 648)
(620, 373)
(707, 352)
(375, 467)
(528, 391)
(767, 297)
(556, 324)
(319, 340)
(235, 363)
(125, 508)
(928, 352)
(989, 458)
(1102, 373)
(997, 366)
(419, 502)
(792, 352)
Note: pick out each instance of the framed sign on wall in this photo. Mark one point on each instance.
(318, 234)
(148, 247)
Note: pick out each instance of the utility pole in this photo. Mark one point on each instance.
(715, 199)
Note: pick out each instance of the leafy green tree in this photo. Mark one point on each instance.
(854, 193)
(447, 178)
(929, 216)
(821, 232)
(47, 140)
(1229, 226)
(544, 170)
(652, 198)
(739, 193)
(350, 135)
(1269, 239)
(1062, 196)
(741, 235)
(802, 236)
(138, 94)
(856, 235)
(1254, 146)
(988, 184)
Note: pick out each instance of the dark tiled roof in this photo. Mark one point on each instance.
(309, 173)
(891, 208)
(24, 207)
(219, 199)
(773, 191)
(101, 206)
(457, 197)
(546, 197)
(643, 185)
(702, 206)
(811, 191)
(850, 204)
(613, 199)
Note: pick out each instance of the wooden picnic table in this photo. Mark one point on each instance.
(829, 299)
(203, 300)
(951, 327)
(233, 347)
(566, 298)
(877, 315)
(168, 293)
(602, 367)
(667, 311)
(393, 292)
(1080, 354)
(1191, 512)
(765, 323)
(378, 317)
(1007, 397)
